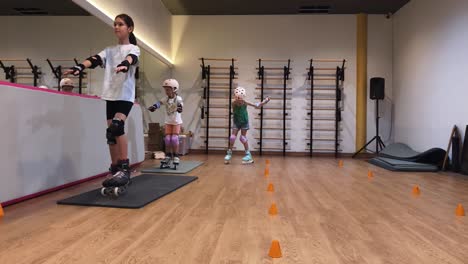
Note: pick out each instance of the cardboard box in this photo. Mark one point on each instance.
(155, 134)
(154, 127)
(155, 140)
(155, 147)
(148, 155)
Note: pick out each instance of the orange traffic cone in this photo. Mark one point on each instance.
(275, 250)
(270, 188)
(416, 190)
(1, 211)
(370, 174)
(340, 163)
(460, 210)
(267, 172)
(273, 209)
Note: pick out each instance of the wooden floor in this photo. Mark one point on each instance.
(326, 215)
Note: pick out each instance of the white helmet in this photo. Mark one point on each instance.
(43, 87)
(240, 92)
(66, 82)
(171, 83)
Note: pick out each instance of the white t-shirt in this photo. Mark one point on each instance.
(118, 86)
(172, 116)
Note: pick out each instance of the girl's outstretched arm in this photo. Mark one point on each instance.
(131, 59)
(259, 104)
(91, 62)
(156, 105)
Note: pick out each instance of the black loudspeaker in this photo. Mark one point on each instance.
(377, 88)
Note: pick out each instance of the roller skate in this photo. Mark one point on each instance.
(166, 162)
(175, 161)
(113, 169)
(170, 162)
(247, 159)
(228, 157)
(117, 184)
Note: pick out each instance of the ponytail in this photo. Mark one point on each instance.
(132, 39)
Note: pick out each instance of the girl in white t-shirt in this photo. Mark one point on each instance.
(120, 63)
(174, 106)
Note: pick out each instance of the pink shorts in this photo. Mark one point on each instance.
(172, 129)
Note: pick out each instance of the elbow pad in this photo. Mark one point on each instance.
(95, 60)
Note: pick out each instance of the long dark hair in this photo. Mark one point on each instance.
(129, 22)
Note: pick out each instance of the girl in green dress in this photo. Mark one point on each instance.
(241, 122)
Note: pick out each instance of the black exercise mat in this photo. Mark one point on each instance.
(464, 153)
(401, 165)
(402, 151)
(143, 190)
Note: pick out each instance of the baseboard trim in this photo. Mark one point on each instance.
(276, 153)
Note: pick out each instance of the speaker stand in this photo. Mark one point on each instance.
(379, 145)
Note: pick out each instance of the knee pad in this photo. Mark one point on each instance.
(167, 140)
(232, 139)
(175, 140)
(243, 139)
(115, 129)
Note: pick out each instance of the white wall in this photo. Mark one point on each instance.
(197, 36)
(380, 64)
(39, 38)
(299, 38)
(430, 63)
(54, 139)
(152, 21)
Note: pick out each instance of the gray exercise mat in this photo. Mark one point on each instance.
(401, 165)
(144, 189)
(399, 150)
(184, 167)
